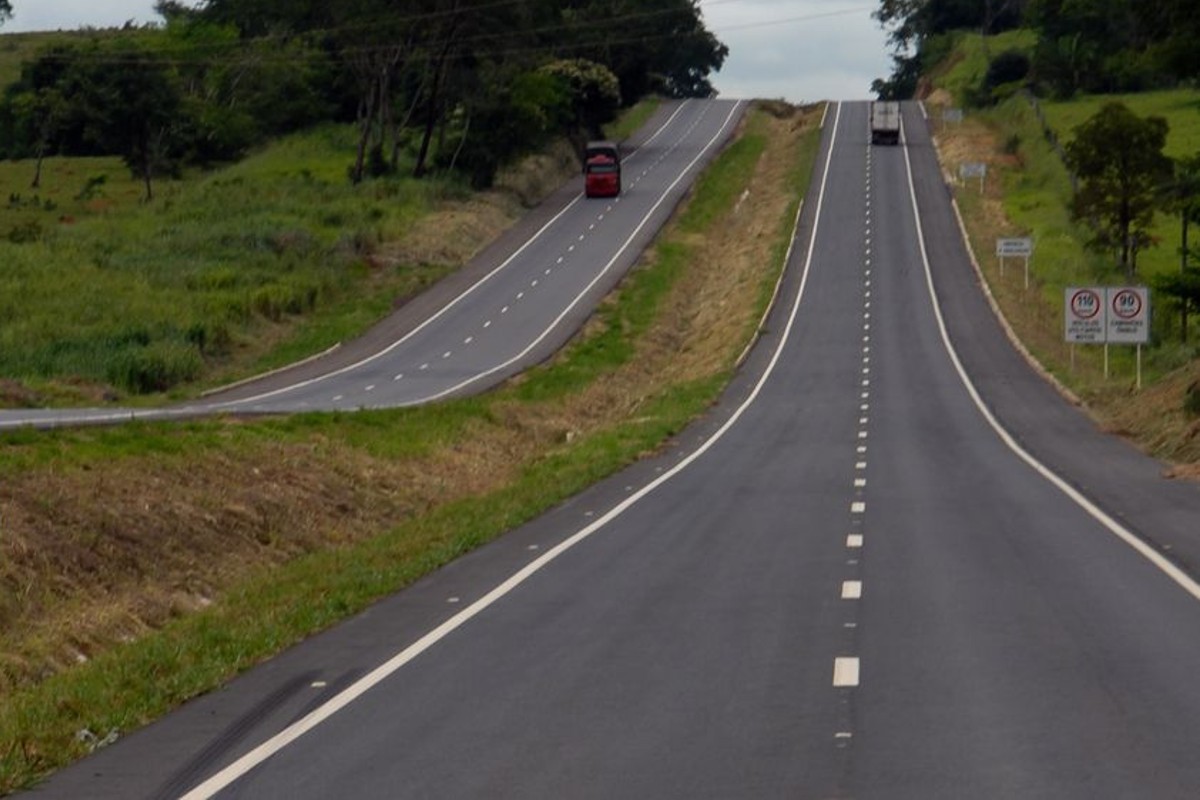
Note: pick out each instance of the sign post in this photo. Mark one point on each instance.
(1108, 315)
(973, 170)
(1021, 248)
(1129, 319)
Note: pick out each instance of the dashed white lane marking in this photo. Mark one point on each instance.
(860, 465)
(338, 397)
(862, 448)
(399, 377)
(284, 738)
(424, 366)
(862, 434)
(854, 541)
(468, 340)
(860, 483)
(570, 248)
(371, 388)
(843, 735)
(487, 324)
(446, 354)
(845, 672)
(858, 507)
(533, 283)
(504, 310)
(520, 295)
(851, 590)
(559, 261)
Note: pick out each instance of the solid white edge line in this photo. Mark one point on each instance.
(1124, 534)
(591, 284)
(279, 741)
(445, 309)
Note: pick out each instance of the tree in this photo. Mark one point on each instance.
(1181, 196)
(43, 112)
(132, 103)
(1118, 158)
(5, 11)
(594, 91)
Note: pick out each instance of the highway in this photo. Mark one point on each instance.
(892, 563)
(513, 306)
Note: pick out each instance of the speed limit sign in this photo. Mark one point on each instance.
(1128, 315)
(1086, 314)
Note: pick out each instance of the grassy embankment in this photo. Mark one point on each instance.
(146, 564)
(226, 273)
(1028, 193)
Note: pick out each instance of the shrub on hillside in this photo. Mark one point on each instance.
(155, 367)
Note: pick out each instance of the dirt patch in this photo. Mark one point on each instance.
(98, 554)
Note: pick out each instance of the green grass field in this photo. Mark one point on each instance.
(1037, 196)
(126, 686)
(97, 286)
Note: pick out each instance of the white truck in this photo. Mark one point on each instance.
(885, 122)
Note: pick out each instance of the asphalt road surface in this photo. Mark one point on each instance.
(890, 564)
(516, 304)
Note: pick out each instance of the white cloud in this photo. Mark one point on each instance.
(49, 15)
(800, 50)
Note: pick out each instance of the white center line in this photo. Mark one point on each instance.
(854, 540)
(851, 590)
(858, 507)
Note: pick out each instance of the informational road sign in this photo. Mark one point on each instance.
(1128, 315)
(1086, 313)
(972, 170)
(1014, 247)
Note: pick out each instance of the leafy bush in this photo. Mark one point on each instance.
(1191, 399)
(1008, 67)
(156, 367)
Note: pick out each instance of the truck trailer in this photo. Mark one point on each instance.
(885, 122)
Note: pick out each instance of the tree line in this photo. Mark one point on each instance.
(462, 85)
(1096, 47)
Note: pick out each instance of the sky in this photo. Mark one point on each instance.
(797, 50)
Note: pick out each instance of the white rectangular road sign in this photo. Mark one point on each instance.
(972, 170)
(1086, 311)
(1014, 247)
(1128, 314)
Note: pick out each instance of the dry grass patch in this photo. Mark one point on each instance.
(1153, 418)
(103, 549)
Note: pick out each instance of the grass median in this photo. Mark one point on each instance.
(147, 564)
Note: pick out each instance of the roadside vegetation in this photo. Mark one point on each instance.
(146, 564)
(1027, 143)
(188, 202)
